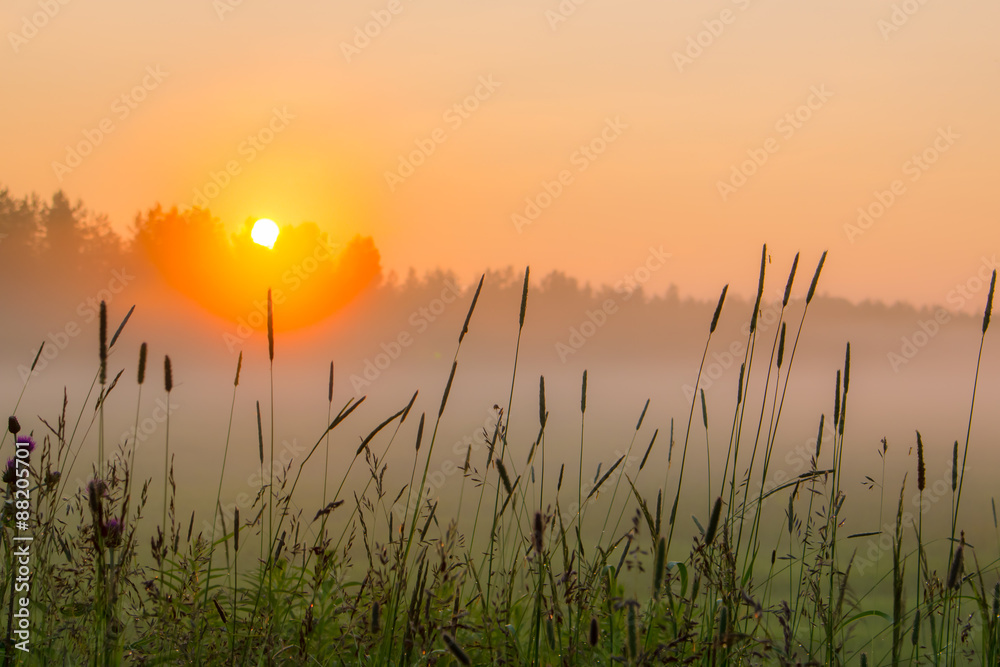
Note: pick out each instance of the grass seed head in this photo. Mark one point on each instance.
(503, 476)
(760, 289)
(218, 609)
(781, 345)
(633, 634)
(819, 438)
(541, 400)
(704, 409)
(524, 298)
(955, 574)
(815, 280)
(104, 342)
(658, 566)
(468, 316)
(260, 436)
(270, 326)
(847, 368)
(142, 363)
(447, 389)
(649, 448)
(989, 302)
(713, 522)
(420, 430)
(455, 649)
(791, 277)
(642, 416)
(329, 392)
(739, 386)
(538, 532)
(836, 402)
(406, 410)
(921, 468)
(718, 311)
(168, 375)
(954, 467)
(121, 327)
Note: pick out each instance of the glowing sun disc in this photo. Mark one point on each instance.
(265, 232)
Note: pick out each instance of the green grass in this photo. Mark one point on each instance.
(548, 574)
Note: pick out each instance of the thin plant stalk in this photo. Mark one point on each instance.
(687, 433)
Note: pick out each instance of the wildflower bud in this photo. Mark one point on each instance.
(96, 489)
(111, 533)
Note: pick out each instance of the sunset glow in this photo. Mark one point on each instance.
(310, 274)
(265, 232)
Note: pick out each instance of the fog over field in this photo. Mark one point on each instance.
(911, 369)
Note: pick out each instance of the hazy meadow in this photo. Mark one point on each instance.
(910, 370)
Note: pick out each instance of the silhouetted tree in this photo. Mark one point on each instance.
(65, 247)
(63, 231)
(20, 226)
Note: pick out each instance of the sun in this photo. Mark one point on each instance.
(265, 232)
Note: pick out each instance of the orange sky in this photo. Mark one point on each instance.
(333, 114)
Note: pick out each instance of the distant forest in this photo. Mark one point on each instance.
(55, 233)
(57, 259)
(63, 244)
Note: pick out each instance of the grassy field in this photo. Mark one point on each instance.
(379, 576)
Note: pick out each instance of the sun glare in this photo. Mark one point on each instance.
(265, 232)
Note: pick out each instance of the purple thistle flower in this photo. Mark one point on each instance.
(111, 532)
(29, 440)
